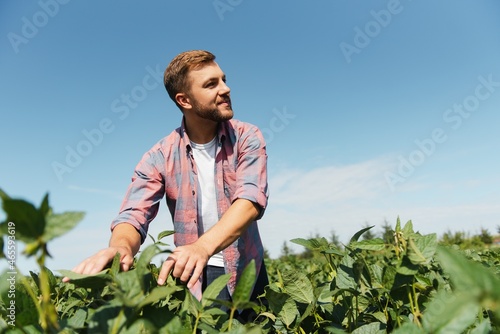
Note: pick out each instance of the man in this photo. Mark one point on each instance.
(213, 172)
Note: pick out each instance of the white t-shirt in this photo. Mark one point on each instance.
(204, 156)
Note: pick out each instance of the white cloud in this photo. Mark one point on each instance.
(112, 194)
(329, 184)
(343, 199)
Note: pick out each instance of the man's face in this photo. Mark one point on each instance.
(209, 95)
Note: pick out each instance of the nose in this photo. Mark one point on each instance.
(224, 89)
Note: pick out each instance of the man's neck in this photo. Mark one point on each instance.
(201, 131)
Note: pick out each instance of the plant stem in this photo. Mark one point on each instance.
(195, 328)
(116, 323)
(48, 317)
(414, 305)
(231, 316)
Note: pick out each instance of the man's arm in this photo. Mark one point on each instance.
(124, 240)
(187, 262)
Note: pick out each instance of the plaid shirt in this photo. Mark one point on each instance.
(168, 168)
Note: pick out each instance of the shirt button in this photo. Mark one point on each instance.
(193, 192)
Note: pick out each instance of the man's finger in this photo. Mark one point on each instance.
(165, 270)
(187, 272)
(196, 275)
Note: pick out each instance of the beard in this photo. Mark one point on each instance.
(213, 113)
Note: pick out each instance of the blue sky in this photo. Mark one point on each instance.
(371, 110)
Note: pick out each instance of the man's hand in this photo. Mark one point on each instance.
(124, 240)
(186, 263)
(100, 260)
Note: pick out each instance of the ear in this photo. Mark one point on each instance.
(183, 100)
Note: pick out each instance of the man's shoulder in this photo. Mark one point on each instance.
(238, 125)
(171, 140)
(242, 132)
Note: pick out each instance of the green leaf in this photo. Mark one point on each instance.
(469, 277)
(377, 272)
(15, 295)
(44, 206)
(2, 254)
(283, 306)
(95, 281)
(334, 250)
(376, 244)
(51, 279)
(140, 325)
(77, 321)
(192, 305)
(371, 328)
(131, 287)
(157, 294)
(449, 313)
(388, 276)
(356, 236)
(409, 328)
(401, 283)
(145, 259)
(32, 248)
(289, 312)
(398, 226)
(142, 271)
(107, 319)
(407, 267)
(164, 234)
(3, 195)
(115, 265)
(299, 287)
(313, 244)
(345, 274)
(59, 224)
(29, 222)
(176, 326)
(421, 249)
(484, 327)
(213, 290)
(244, 287)
(408, 229)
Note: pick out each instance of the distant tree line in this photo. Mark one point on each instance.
(464, 240)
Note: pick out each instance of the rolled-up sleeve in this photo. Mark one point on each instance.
(143, 196)
(251, 170)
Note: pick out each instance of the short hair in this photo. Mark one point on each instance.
(175, 77)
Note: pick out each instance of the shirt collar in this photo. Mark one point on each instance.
(221, 133)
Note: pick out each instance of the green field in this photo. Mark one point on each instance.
(402, 282)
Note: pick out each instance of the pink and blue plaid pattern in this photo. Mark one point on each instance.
(168, 169)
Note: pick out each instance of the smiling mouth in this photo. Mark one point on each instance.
(228, 102)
